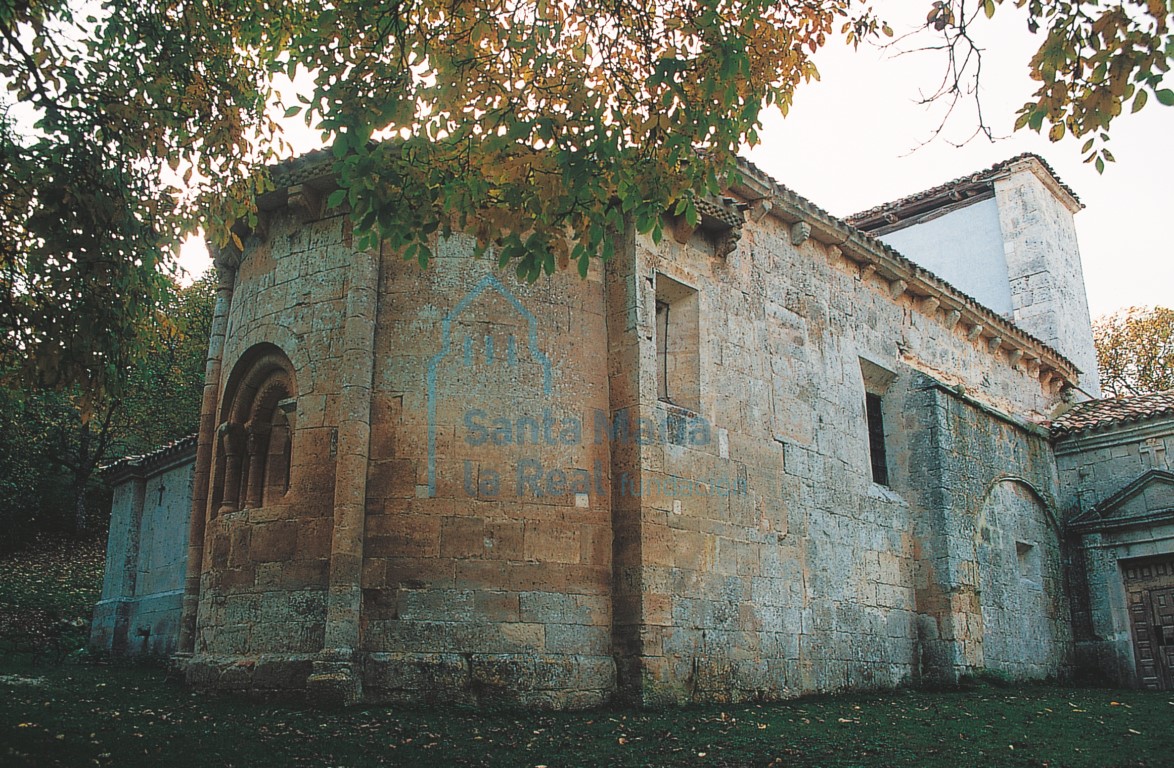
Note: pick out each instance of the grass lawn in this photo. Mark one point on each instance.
(47, 595)
(78, 714)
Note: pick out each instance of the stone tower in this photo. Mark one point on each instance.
(1006, 236)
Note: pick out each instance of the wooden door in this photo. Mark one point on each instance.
(1149, 586)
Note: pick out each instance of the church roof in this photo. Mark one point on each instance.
(314, 169)
(1100, 414)
(155, 458)
(971, 186)
(867, 246)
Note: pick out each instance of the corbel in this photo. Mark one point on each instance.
(800, 232)
(759, 209)
(306, 202)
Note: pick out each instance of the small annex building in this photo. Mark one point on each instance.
(776, 453)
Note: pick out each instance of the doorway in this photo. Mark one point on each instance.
(1149, 590)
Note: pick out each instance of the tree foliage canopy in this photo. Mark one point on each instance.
(539, 125)
(51, 452)
(1135, 351)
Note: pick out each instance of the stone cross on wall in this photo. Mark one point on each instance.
(162, 488)
(1153, 453)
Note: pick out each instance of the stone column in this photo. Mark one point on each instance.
(626, 319)
(231, 443)
(257, 450)
(335, 676)
(226, 263)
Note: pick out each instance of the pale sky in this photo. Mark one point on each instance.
(850, 142)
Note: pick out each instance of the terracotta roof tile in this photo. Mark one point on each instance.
(147, 460)
(1099, 414)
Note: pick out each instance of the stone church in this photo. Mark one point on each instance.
(777, 453)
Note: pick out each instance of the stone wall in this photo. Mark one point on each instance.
(265, 567)
(658, 483)
(989, 578)
(783, 567)
(1012, 246)
(487, 554)
(142, 591)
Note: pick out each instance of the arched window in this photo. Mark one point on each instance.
(255, 437)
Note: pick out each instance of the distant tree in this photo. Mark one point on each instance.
(1135, 351)
(161, 401)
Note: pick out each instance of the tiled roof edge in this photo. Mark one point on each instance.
(896, 207)
(316, 164)
(1095, 415)
(155, 458)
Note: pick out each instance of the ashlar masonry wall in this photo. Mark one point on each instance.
(487, 557)
(265, 566)
(792, 570)
(658, 484)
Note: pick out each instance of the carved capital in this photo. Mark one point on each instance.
(231, 438)
(226, 258)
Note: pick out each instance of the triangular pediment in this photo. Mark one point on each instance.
(1145, 498)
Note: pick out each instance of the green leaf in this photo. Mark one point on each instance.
(1166, 97)
(1140, 100)
(337, 198)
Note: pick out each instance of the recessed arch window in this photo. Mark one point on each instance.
(254, 445)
